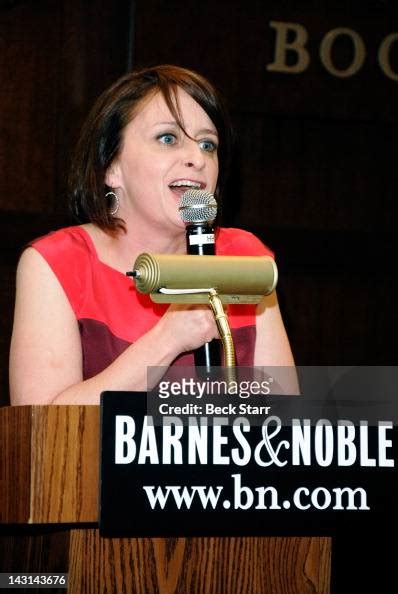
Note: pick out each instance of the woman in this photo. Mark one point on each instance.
(80, 327)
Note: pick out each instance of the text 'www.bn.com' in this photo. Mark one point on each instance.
(259, 498)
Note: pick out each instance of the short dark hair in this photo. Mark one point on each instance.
(102, 134)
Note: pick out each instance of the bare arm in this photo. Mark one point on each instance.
(46, 357)
(272, 344)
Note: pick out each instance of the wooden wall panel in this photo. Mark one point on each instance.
(29, 60)
(56, 56)
(94, 52)
(233, 42)
(306, 173)
(314, 173)
(314, 151)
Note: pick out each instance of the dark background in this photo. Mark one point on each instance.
(314, 174)
(315, 166)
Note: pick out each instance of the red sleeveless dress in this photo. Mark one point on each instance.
(110, 312)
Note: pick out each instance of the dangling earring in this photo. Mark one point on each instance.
(116, 203)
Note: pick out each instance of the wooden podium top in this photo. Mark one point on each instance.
(49, 464)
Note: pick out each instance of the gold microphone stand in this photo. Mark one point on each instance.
(223, 328)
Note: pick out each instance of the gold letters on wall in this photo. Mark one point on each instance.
(291, 42)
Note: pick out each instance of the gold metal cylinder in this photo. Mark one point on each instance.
(244, 275)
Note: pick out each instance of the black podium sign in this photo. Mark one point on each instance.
(291, 471)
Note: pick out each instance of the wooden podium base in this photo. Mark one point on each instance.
(49, 460)
(240, 565)
(198, 565)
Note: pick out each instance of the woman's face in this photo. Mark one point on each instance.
(158, 162)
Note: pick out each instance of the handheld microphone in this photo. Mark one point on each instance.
(198, 210)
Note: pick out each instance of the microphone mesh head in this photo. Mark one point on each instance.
(198, 206)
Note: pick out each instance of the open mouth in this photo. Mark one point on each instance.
(182, 185)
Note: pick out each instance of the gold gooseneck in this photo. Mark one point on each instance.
(219, 314)
(223, 328)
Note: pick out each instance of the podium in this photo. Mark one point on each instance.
(49, 493)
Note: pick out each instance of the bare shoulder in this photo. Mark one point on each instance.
(34, 274)
(31, 258)
(45, 340)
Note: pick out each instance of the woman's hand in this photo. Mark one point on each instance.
(188, 326)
